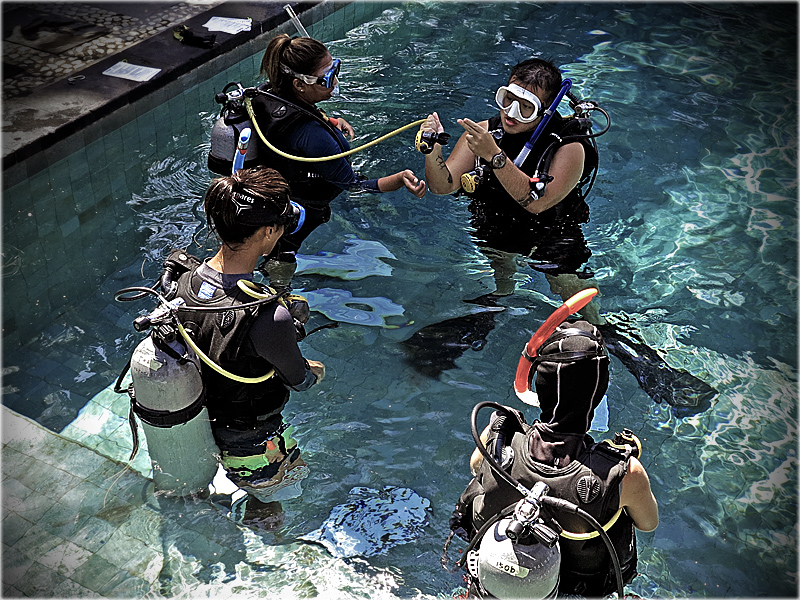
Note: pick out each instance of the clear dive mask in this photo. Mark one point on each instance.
(329, 79)
(518, 103)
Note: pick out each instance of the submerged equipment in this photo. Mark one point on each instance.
(167, 388)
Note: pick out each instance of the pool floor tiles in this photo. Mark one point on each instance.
(75, 523)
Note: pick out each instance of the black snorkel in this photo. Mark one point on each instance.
(529, 503)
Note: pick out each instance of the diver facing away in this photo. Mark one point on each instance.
(606, 479)
(248, 211)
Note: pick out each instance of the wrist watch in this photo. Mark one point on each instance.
(499, 160)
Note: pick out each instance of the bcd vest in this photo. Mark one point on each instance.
(225, 338)
(276, 117)
(592, 481)
(491, 199)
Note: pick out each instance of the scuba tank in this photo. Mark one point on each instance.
(167, 394)
(225, 135)
(524, 568)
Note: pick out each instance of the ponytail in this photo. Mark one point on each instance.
(300, 54)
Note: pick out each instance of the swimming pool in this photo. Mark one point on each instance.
(694, 240)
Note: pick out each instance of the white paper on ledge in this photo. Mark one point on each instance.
(125, 70)
(228, 25)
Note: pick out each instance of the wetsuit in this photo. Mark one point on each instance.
(552, 239)
(247, 342)
(304, 130)
(592, 480)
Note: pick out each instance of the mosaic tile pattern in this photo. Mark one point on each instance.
(41, 68)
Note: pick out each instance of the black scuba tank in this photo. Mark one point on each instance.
(228, 128)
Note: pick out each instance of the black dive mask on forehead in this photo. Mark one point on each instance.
(250, 210)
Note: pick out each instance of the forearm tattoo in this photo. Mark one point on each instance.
(442, 165)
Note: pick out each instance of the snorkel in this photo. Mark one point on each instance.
(565, 86)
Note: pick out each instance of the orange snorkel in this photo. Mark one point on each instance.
(574, 304)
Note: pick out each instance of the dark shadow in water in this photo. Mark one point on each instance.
(435, 348)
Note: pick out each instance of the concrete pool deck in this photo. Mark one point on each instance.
(54, 56)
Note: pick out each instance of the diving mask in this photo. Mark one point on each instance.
(518, 103)
(329, 79)
(250, 210)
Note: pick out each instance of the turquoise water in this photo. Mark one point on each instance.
(694, 242)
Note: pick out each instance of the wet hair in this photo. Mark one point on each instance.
(301, 54)
(536, 72)
(265, 185)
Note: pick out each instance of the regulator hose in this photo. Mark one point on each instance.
(249, 107)
(187, 338)
(549, 500)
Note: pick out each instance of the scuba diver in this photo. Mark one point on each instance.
(248, 211)
(535, 484)
(524, 171)
(301, 73)
(528, 172)
(214, 375)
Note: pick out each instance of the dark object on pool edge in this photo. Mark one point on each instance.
(189, 37)
(436, 347)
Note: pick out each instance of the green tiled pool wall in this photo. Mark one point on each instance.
(64, 210)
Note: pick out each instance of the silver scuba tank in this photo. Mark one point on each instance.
(509, 569)
(169, 401)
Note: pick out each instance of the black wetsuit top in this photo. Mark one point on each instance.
(552, 239)
(592, 481)
(247, 342)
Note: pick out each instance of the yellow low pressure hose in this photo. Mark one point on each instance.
(216, 367)
(592, 534)
(248, 105)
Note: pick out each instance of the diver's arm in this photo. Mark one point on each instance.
(566, 169)
(444, 177)
(638, 498)
(477, 458)
(405, 178)
(274, 338)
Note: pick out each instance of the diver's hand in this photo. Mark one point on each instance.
(479, 140)
(318, 369)
(432, 124)
(346, 128)
(413, 184)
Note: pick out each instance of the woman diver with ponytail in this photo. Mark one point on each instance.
(303, 73)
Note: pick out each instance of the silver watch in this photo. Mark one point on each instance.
(499, 160)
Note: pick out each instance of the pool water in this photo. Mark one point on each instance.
(694, 239)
